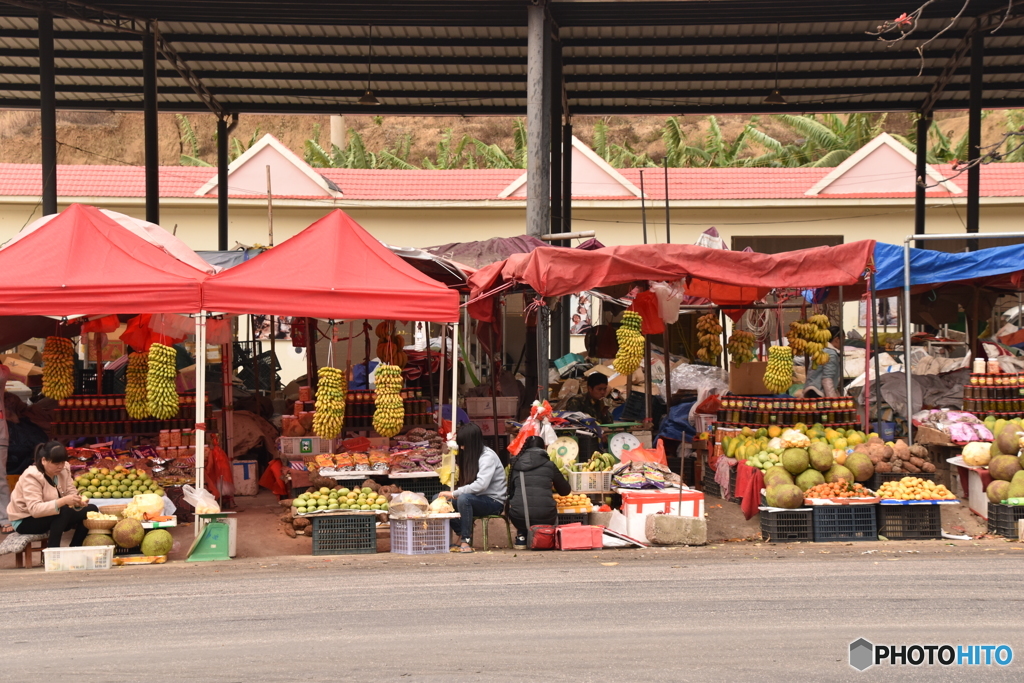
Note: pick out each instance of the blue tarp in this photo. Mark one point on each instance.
(936, 267)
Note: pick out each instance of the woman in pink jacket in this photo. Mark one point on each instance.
(45, 499)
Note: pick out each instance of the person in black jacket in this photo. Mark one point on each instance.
(540, 474)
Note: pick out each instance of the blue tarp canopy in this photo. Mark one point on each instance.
(929, 267)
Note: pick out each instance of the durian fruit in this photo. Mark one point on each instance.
(161, 394)
(331, 388)
(778, 374)
(741, 346)
(58, 368)
(389, 409)
(136, 400)
(631, 344)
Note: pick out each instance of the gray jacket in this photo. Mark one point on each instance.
(490, 479)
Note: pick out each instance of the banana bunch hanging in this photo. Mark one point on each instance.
(58, 368)
(741, 346)
(161, 394)
(390, 346)
(389, 411)
(778, 374)
(709, 332)
(631, 344)
(136, 400)
(810, 337)
(331, 389)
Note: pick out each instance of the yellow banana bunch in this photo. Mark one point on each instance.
(709, 336)
(631, 344)
(161, 394)
(741, 346)
(331, 388)
(778, 375)
(136, 400)
(389, 409)
(58, 368)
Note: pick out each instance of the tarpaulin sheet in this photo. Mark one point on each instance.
(333, 269)
(929, 267)
(84, 262)
(557, 272)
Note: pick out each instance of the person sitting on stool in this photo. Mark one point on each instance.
(45, 499)
(481, 484)
(539, 475)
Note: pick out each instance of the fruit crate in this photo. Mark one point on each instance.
(879, 478)
(909, 522)
(590, 482)
(845, 523)
(420, 536)
(78, 559)
(1002, 519)
(344, 534)
(572, 518)
(787, 526)
(711, 487)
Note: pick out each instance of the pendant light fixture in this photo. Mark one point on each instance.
(368, 100)
(776, 97)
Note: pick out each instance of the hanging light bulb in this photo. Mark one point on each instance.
(368, 99)
(775, 98)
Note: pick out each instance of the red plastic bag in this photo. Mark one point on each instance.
(646, 304)
(272, 480)
(656, 454)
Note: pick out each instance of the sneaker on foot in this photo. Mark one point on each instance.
(520, 543)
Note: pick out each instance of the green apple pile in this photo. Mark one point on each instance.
(339, 499)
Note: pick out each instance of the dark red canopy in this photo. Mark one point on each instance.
(725, 277)
(333, 269)
(83, 262)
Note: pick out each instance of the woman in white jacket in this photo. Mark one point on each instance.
(481, 485)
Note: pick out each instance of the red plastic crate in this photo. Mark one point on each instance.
(579, 537)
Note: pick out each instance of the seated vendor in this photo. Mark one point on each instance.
(592, 403)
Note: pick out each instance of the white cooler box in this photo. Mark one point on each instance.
(637, 505)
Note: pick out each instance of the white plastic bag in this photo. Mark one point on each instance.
(670, 295)
(203, 501)
(408, 505)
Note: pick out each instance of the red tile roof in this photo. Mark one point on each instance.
(685, 184)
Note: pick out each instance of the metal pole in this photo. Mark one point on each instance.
(648, 384)
(974, 134)
(668, 219)
(842, 342)
(538, 121)
(273, 321)
(567, 176)
(455, 380)
(150, 124)
(543, 325)
(200, 421)
(643, 206)
(906, 336)
(48, 113)
(668, 368)
(555, 113)
(494, 385)
(222, 184)
(923, 124)
(878, 363)
(444, 367)
(227, 372)
(311, 376)
(430, 372)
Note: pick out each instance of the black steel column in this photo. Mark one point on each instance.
(538, 121)
(152, 136)
(48, 113)
(556, 139)
(222, 184)
(974, 135)
(567, 174)
(924, 123)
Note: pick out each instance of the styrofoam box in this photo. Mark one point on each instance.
(484, 406)
(637, 505)
(246, 480)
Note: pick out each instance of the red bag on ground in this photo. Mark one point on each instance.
(272, 479)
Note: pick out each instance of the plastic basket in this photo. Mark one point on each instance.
(78, 559)
(909, 522)
(712, 488)
(573, 518)
(268, 365)
(880, 478)
(1002, 519)
(844, 523)
(787, 526)
(420, 536)
(590, 482)
(344, 534)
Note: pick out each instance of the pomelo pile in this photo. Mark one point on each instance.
(800, 469)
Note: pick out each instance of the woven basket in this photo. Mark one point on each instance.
(113, 509)
(100, 523)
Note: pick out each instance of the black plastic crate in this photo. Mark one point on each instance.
(428, 486)
(344, 534)
(879, 478)
(787, 526)
(1002, 519)
(909, 522)
(573, 518)
(268, 365)
(845, 523)
(712, 488)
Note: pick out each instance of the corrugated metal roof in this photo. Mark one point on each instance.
(469, 57)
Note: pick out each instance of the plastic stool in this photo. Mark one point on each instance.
(508, 527)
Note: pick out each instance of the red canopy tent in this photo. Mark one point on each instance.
(83, 262)
(333, 269)
(725, 277)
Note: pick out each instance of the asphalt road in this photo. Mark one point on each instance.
(668, 615)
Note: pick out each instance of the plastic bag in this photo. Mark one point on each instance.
(646, 304)
(203, 501)
(408, 505)
(703, 379)
(670, 296)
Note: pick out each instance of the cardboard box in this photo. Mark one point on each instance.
(487, 425)
(748, 378)
(23, 371)
(30, 353)
(484, 406)
(112, 349)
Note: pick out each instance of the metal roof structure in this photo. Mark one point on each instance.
(461, 57)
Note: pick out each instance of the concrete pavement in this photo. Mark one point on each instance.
(747, 613)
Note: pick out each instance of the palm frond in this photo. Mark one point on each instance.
(316, 156)
(833, 158)
(186, 160)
